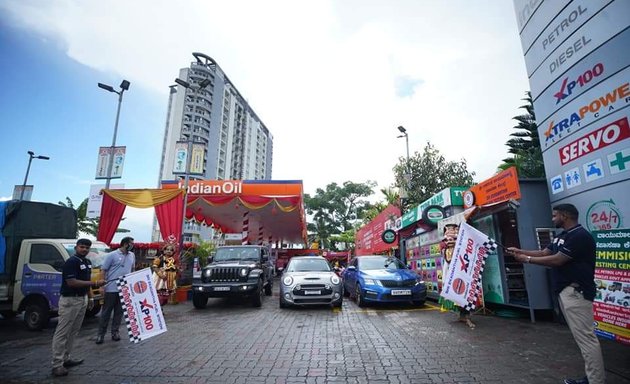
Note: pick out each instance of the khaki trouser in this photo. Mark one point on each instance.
(579, 315)
(71, 314)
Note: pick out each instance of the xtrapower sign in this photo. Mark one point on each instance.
(578, 63)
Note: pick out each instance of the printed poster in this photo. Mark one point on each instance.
(141, 307)
(612, 280)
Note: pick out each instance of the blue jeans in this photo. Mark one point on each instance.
(112, 303)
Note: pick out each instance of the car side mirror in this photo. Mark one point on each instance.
(210, 259)
(351, 268)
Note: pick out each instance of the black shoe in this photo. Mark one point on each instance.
(583, 380)
(72, 363)
(116, 336)
(100, 339)
(60, 371)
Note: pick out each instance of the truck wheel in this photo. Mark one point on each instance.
(200, 300)
(268, 287)
(257, 298)
(95, 310)
(36, 315)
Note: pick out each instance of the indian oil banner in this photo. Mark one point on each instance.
(611, 307)
(141, 307)
(462, 283)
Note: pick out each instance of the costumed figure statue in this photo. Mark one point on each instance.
(447, 247)
(165, 273)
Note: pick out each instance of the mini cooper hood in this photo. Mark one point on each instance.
(312, 274)
(384, 274)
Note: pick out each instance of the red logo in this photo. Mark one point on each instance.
(459, 286)
(598, 139)
(139, 287)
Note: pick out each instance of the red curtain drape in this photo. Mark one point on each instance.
(169, 216)
(111, 213)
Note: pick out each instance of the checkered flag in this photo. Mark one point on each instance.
(491, 245)
(120, 283)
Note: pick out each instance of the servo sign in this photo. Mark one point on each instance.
(597, 139)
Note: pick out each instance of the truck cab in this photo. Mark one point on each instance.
(35, 290)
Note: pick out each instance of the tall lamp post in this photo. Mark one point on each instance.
(31, 156)
(407, 175)
(124, 86)
(201, 85)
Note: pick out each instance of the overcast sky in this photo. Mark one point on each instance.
(330, 79)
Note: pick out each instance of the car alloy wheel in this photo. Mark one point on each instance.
(359, 296)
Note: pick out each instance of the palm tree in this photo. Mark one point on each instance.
(525, 144)
(85, 224)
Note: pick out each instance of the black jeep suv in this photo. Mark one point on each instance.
(237, 271)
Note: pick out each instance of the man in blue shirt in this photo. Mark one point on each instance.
(572, 258)
(118, 263)
(75, 298)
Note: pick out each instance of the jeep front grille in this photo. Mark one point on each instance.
(222, 274)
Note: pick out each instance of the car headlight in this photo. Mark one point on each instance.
(243, 272)
(335, 279)
(419, 280)
(288, 280)
(372, 282)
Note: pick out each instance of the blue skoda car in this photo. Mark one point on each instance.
(382, 279)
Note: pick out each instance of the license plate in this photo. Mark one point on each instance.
(312, 292)
(221, 288)
(401, 292)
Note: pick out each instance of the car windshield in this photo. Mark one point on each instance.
(372, 263)
(308, 265)
(96, 255)
(236, 253)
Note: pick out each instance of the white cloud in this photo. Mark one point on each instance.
(321, 75)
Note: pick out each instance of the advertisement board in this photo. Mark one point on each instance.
(579, 66)
(501, 187)
(102, 164)
(369, 238)
(612, 280)
(95, 200)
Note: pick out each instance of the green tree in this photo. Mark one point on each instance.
(85, 224)
(391, 198)
(336, 209)
(524, 146)
(428, 172)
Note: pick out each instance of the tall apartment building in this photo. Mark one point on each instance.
(238, 146)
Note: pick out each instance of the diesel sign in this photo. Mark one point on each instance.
(599, 138)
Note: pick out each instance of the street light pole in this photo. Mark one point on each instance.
(124, 85)
(31, 156)
(407, 174)
(189, 141)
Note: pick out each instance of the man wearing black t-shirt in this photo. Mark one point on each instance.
(75, 289)
(572, 258)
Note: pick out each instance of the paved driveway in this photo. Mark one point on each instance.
(232, 343)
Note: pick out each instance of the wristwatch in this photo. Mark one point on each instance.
(529, 258)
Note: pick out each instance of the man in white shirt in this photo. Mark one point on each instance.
(118, 263)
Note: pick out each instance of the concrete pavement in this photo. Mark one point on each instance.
(230, 342)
